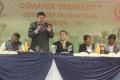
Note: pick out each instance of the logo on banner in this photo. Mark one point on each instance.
(117, 12)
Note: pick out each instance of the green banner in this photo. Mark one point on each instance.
(79, 17)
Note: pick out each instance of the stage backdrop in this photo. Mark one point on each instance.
(95, 17)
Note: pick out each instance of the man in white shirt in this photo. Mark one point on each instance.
(111, 46)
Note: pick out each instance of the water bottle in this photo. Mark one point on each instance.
(69, 48)
(37, 49)
(53, 49)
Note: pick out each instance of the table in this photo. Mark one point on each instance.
(58, 67)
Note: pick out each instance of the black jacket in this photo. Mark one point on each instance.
(83, 48)
(40, 39)
(60, 48)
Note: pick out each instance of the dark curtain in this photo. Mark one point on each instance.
(36, 67)
(88, 68)
(24, 67)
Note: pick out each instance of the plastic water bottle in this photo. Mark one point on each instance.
(70, 48)
(53, 49)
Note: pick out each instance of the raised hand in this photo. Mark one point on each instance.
(49, 28)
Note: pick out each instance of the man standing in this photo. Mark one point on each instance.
(40, 31)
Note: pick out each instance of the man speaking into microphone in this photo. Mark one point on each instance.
(40, 31)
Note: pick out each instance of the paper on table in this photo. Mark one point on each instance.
(7, 52)
(84, 54)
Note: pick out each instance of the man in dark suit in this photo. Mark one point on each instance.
(63, 46)
(87, 46)
(111, 46)
(40, 31)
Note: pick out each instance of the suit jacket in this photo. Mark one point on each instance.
(116, 48)
(41, 38)
(83, 48)
(60, 48)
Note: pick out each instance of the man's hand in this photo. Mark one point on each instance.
(49, 28)
(38, 29)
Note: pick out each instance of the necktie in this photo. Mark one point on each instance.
(63, 44)
(41, 27)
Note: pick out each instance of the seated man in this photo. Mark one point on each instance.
(63, 46)
(111, 46)
(13, 44)
(87, 46)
